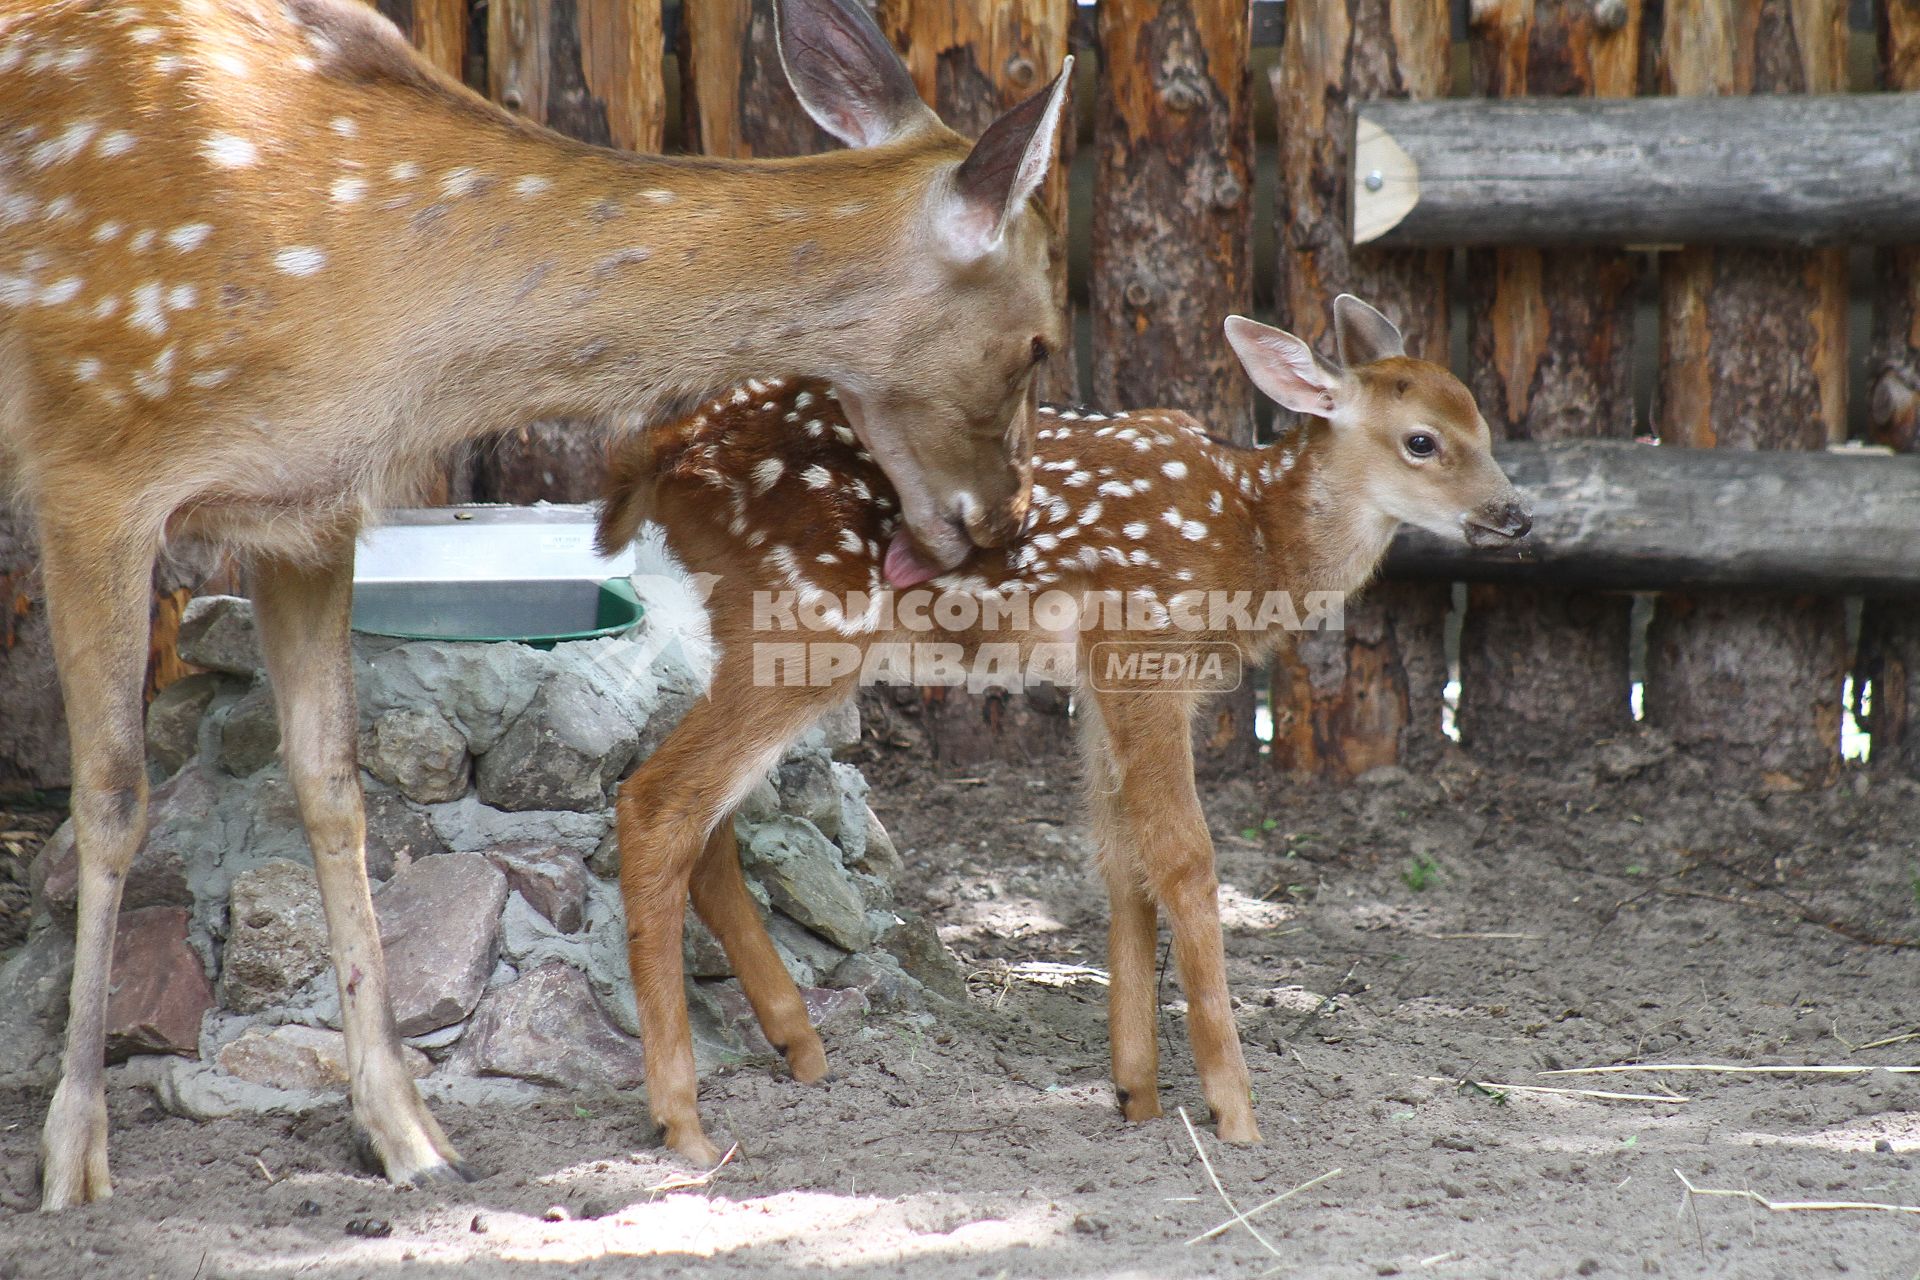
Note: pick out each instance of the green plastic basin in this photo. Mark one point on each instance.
(538, 612)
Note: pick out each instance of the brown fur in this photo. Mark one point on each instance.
(769, 491)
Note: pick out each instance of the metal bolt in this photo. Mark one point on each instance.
(1138, 295)
(1021, 71)
(1376, 180)
(1610, 15)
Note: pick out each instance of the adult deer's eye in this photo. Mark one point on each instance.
(1421, 445)
(1040, 349)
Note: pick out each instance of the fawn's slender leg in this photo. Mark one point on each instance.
(97, 577)
(720, 896)
(666, 812)
(1131, 930)
(303, 611)
(1153, 755)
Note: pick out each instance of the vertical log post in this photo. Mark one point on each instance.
(972, 59)
(1172, 239)
(1890, 631)
(1348, 701)
(1550, 336)
(1752, 356)
(592, 69)
(734, 97)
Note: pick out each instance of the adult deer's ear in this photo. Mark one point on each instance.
(1005, 167)
(845, 73)
(1362, 334)
(1285, 367)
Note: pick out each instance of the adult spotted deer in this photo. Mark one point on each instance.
(1145, 537)
(260, 267)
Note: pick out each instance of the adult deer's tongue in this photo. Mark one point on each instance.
(905, 566)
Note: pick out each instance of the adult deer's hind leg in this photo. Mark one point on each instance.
(304, 612)
(97, 574)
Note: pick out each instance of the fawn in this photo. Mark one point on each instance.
(1140, 508)
(261, 267)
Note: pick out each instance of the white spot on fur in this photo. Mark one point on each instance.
(530, 186)
(1174, 469)
(104, 309)
(766, 473)
(187, 238)
(1193, 531)
(345, 127)
(405, 171)
(69, 143)
(149, 309)
(459, 182)
(63, 290)
(182, 297)
(144, 35)
(208, 379)
(349, 190)
(117, 143)
(816, 477)
(155, 382)
(299, 260)
(230, 151)
(86, 369)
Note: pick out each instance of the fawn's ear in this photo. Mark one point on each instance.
(845, 73)
(1362, 334)
(1284, 367)
(1005, 167)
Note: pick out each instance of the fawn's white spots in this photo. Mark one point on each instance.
(816, 477)
(106, 307)
(460, 182)
(65, 145)
(15, 291)
(144, 35)
(169, 64)
(1215, 503)
(531, 185)
(116, 143)
(1193, 531)
(231, 63)
(107, 232)
(299, 260)
(851, 543)
(1091, 513)
(1174, 469)
(182, 297)
(1141, 484)
(1139, 556)
(155, 381)
(344, 126)
(230, 151)
(149, 308)
(348, 190)
(858, 488)
(208, 379)
(766, 472)
(802, 400)
(657, 196)
(1114, 489)
(740, 396)
(86, 369)
(405, 171)
(188, 237)
(1045, 541)
(60, 209)
(60, 291)
(1078, 479)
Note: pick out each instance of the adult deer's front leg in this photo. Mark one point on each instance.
(97, 578)
(304, 612)
(1153, 757)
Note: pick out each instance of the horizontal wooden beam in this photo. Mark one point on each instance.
(1774, 170)
(1619, 516)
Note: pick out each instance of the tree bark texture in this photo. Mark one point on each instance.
(438, 28)
(972, 59)
(1890, 631)
(734, 96)
(1345, 702)
(1752, 356)
(1172, 241)
(590, 69)
(1550, 340)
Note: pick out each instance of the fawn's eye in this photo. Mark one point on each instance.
(1421, 445)
(1040, 349)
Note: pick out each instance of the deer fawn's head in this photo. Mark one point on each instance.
(1410, 440)
(936, 377)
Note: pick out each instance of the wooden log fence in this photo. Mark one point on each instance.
(1611, 162)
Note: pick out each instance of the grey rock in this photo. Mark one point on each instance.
(177, 809)
(249, 733)
(276, 936)
(921, 954)
(667, 710)
(200, 1091)
(604, 861)
(173, 720)
(838, 732)
(551, 877)
(880, 978)
(801, 873)
(470, 826)
(419, 752)
(701, 954)
(807, 956)
(878, 855)
(33, 1008)
(397, 834)
(809, 790)
(562, 752)
(850, 831)
(440, 927)
(217, 632)
(299, 1057)
(157, 993)
(479, 688)
(548, 1027)
(828, 1009)
(762, 803)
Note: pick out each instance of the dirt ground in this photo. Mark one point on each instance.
(1386, 942)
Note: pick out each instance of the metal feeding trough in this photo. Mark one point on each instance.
(525, 574)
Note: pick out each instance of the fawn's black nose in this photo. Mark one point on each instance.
(1515, 521)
